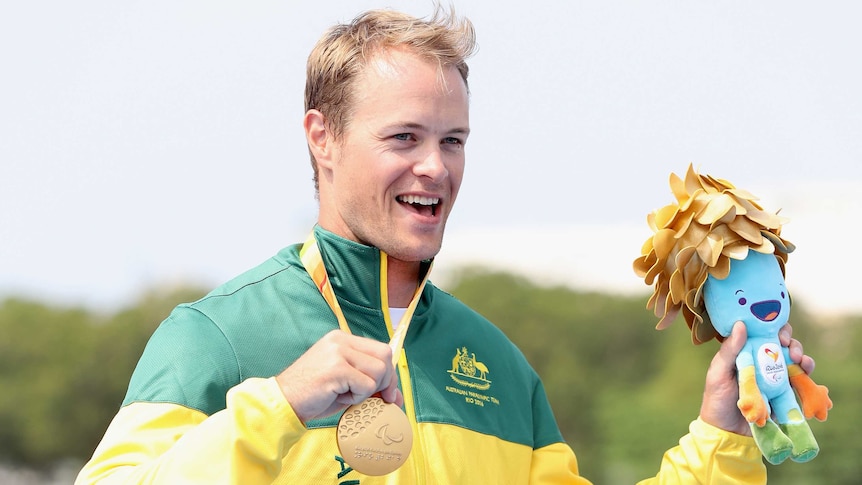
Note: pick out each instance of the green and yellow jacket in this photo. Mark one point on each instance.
(203, 407)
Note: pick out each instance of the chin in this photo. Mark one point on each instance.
(415, 252)
(415, 256)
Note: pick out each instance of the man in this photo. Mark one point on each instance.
(247, 384)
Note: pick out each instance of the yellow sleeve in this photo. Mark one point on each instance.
(164, 443)
(555, 464)
(709, 455)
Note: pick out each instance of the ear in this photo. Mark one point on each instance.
(321, 144)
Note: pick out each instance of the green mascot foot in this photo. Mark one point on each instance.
(805, 447)
(773, 443)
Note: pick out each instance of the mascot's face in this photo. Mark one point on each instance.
(753, 292)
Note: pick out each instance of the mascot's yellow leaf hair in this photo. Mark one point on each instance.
(711, 222)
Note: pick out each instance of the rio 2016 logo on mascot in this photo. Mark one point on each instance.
(719, 258)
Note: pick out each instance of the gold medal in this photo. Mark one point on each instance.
(374, 437)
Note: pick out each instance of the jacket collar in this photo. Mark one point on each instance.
(354, 269)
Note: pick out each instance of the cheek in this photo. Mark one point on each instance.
(373, 183)
(456, 174)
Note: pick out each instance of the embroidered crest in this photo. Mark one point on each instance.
(468, 371)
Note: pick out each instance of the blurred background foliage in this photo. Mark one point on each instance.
(622, 392)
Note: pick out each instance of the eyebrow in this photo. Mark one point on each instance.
(419, 126)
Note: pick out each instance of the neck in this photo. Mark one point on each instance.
(402, 279)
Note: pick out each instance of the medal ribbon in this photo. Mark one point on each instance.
(313, 263)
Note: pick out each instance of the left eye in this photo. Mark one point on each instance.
(451, 140)
(402, 136)
(743, 301)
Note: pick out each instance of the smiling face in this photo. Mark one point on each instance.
(754, 292)
(391, 179)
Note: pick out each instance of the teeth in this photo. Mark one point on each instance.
(416, 199)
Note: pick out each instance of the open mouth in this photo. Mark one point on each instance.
(426, 206)
(766, 311)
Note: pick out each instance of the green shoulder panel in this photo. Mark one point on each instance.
(188, 362)
(248, 327)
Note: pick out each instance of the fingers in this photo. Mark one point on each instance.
(730, 348)
(797, 355)
(371, 358)
(368, 370)
(340, 369)
(807, 364)
(722, 370)
(785, 334)
(391, 393)
(786, 340)
(721, 392)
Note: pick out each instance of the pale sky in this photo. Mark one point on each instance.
(154, 142)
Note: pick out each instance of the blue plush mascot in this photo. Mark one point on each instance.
(718, 257)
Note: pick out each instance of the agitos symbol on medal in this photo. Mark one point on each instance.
(374, 437)
(468, 371)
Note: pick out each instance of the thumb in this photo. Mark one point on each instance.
(732, 345)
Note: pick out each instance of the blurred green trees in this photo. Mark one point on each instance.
(64, 372)
(622, 392)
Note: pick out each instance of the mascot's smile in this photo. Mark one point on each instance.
(766, 311)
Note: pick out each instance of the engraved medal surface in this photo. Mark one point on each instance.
(374, 437)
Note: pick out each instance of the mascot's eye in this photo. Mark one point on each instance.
(743, 301)
(782, 295)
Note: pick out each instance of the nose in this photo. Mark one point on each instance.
(432, 164)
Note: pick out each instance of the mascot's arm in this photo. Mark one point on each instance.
(750, 400)
(814, 397)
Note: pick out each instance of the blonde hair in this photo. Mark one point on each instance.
(345, 49)
(711, 223)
